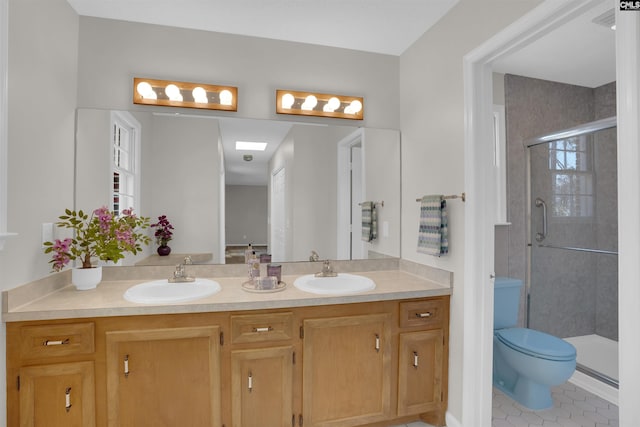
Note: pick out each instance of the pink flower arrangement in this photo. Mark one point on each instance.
(102, 235)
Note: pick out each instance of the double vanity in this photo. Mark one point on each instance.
(335, 353)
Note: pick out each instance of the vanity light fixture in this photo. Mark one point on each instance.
(319, 104)
(183, 94)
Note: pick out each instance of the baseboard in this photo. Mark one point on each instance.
(451, 420)
(592, 385)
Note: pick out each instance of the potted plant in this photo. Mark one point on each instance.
(163, 235)
(102, 235)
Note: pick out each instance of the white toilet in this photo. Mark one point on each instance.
(526, 363)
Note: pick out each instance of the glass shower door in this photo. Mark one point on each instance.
(572, 287)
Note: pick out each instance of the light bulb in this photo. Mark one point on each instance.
(226, 97)
(356, 106)
(173, 92)
(332, 105)
(199, 95)
(288, 100)
(146, 91)
(309, 103)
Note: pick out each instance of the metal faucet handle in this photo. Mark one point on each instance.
(188, 260)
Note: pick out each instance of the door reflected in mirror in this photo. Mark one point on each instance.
(302, 194)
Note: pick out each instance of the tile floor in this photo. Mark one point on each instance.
(573, 407)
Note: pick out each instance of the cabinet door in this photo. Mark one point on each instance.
(262, 387)
(164, 377)
(346, 370)
(57, 395)
(420, 372)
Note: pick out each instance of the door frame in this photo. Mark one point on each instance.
(481, 197)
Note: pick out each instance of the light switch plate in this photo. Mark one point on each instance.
(47, 232)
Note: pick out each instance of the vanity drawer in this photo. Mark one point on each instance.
(261, 327)
(422, 313)
(56, 340)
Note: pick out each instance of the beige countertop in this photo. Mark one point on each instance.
(107, 299)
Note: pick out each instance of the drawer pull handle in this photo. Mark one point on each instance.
(415, 359)
(126, 366)
(377, 347)
(67, 399)
(423, 315)
(250, 382)
(56, 342)
(264, 329)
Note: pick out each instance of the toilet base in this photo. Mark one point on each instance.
(527, 393)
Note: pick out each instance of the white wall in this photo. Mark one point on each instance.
(113, 52)
(246, 215)
(183, 170)
(315, 181)
(42, 74)
(432, 126)
(382, 181)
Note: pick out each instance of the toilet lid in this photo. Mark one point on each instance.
(537, 344)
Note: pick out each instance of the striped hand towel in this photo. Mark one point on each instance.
(434, 227)
(369, 221)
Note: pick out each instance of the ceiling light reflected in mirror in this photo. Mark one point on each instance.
(250, 146)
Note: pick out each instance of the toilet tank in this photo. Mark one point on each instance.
(506, 302)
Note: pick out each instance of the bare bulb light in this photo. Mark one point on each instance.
(288, 100)
(173, 92)
(199, 95)
(146, 91)
(309, 103)
(226, 97)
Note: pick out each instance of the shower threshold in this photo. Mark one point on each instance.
(597, 355)
(597, 366)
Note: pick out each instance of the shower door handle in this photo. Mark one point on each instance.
(541, 203)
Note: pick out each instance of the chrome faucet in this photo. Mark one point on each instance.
(180, 275)
(327, 270)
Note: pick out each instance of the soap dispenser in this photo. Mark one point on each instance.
(247, 253)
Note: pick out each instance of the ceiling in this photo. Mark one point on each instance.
(380, 26)
(579, 52)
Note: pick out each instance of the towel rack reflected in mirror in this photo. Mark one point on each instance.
(462, 196)
(375, 203)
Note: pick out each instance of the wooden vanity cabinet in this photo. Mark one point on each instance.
(347, 370)
(164, 376)
(262, 370)
(423, 359)
(50, 375)
(359, 364)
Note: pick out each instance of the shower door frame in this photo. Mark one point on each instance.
(584, 129)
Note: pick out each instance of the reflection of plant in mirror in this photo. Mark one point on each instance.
(163, 233)
(103, 235)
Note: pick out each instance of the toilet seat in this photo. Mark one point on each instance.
(537, 344)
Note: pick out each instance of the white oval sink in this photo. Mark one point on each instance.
(342, 284)
(161, 291)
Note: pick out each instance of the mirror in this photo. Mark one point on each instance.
(302, 194)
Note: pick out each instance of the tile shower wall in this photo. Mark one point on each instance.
(568, 301)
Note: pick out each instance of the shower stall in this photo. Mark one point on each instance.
(572, 271)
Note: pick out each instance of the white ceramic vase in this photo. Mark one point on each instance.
(86, 278)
